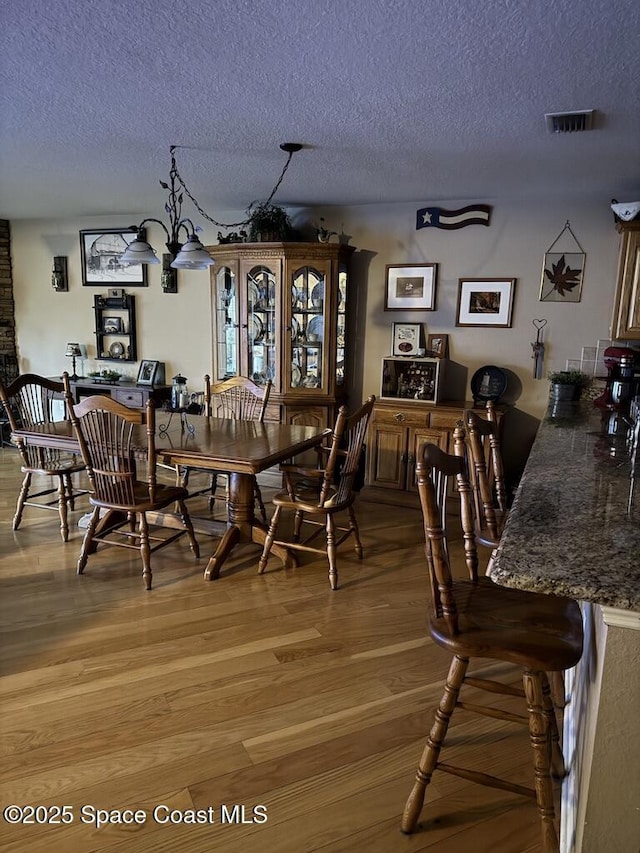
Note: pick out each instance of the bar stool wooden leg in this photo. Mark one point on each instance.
(539, 736)
(558, 770)
(429, 760)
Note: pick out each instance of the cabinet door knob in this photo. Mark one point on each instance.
(399, 417)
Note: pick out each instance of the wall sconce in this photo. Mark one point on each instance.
(59, 280)
(169, 276)
(74, 352)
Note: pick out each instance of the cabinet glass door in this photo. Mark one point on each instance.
(307, 328)
(261, 324)
(227, 325)
(341, 324)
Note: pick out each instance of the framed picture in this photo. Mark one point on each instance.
(410, 287)
(101, 253)
(562, 274)
(407, 339)
(485, 301)
(438, 345)
(147, 372)
(112, 325)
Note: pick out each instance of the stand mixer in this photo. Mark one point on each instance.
(623, 378)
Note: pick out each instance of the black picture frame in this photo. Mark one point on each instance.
(101, 252)
(147, 372)
(112, 325)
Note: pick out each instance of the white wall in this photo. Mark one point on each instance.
(176, 328)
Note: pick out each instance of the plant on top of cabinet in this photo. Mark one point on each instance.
(268, 223)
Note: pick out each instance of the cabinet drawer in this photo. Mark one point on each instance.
(129, 397)
(401, 416)
(445, 420)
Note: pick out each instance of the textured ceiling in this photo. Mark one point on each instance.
(394, 100)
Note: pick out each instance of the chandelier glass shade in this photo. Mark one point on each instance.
(187, 254)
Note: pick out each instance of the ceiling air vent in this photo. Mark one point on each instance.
(569, 122)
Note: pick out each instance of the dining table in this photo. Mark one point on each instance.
(241, 449)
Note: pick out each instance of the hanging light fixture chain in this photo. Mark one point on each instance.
(203, 213)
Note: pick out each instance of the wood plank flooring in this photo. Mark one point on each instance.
(286, 716)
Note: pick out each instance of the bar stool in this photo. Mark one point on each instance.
(477, 618)
(486, 474)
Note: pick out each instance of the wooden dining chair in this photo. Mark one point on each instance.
(317, 495)
(475, 618)
(237, 398)
(486, 474)
(113, 454)
(29, 401)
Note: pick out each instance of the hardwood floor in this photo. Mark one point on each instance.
(289, 717)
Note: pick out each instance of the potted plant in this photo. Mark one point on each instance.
(268, 223)
(567, 384)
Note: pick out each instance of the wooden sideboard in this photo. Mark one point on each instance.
(128, 393)
(396, 431)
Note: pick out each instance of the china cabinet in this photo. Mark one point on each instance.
(625, 324)
(280, 313)
(115, 327)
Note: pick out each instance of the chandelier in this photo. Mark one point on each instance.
(189, 254)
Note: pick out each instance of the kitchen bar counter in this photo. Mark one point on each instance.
(574, 528)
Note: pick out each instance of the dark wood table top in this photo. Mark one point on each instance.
(220, 444)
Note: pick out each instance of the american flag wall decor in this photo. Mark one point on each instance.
(437, 217)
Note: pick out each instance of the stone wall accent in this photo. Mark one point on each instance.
(8, 350)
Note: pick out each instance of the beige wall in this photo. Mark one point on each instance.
(176, 328)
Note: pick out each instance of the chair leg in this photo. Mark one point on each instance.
(268, 542)
(145, 550)
(22, 496)
(297, 525)
(258, 498)
(212, 492)
(558, 693)
(429, 760)
(186, 520)
(88, 540)
(558, 770)
(71, 502)
(62, 508)
(539, 737)
(331, 552)
(353, 527)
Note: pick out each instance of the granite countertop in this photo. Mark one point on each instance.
(574, 527)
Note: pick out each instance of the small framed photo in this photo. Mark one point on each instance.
(485, 302)
(112, 325)
(101, 256)
(147, 372)
(438, 345)
(410, 287)
(407, 339)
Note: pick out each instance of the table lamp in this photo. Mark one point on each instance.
(73, 351)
